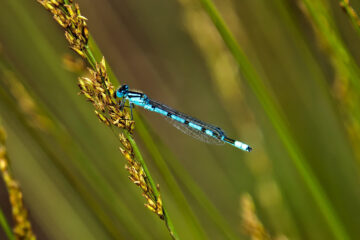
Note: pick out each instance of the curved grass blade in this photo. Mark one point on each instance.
(278, 120)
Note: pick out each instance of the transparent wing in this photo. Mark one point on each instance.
(189, 130)
(199, 135)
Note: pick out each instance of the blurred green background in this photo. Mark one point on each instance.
(68, 163)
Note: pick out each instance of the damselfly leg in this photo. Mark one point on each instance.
(131, 110)
(122, 105)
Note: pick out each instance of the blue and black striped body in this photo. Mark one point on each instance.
(185, 123)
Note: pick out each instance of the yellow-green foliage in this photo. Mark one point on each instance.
(282, 76)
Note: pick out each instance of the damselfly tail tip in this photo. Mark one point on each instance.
(242, 146)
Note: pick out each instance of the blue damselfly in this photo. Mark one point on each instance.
(189, 125)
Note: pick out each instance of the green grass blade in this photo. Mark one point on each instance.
(278, 120)
(5, 226)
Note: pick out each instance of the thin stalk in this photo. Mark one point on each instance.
(90, 57)
(278, 120)
(5, 226)
(92, 61)
(77, 35)
(168, 222)
(139, 157)
(354, 17)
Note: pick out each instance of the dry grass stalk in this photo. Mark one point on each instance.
(22, 228)
(100, 92)
(70, 18)
(251, 224)
(138, 176)
(345, 4)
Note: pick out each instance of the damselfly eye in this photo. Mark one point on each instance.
(122, 91)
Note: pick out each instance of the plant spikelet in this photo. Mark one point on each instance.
(22, 227)
(138, 176)
(69, 17)
(251, 224)
(99, 91)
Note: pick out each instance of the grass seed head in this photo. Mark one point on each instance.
(22, 227)
(98, 89)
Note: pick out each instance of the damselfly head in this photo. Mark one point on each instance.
(122, 91)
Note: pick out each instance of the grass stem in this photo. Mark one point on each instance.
(278, 120)
(5, 226)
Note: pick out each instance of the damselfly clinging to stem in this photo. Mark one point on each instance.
(189, 125)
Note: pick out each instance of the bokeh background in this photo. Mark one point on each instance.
(68, 163)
